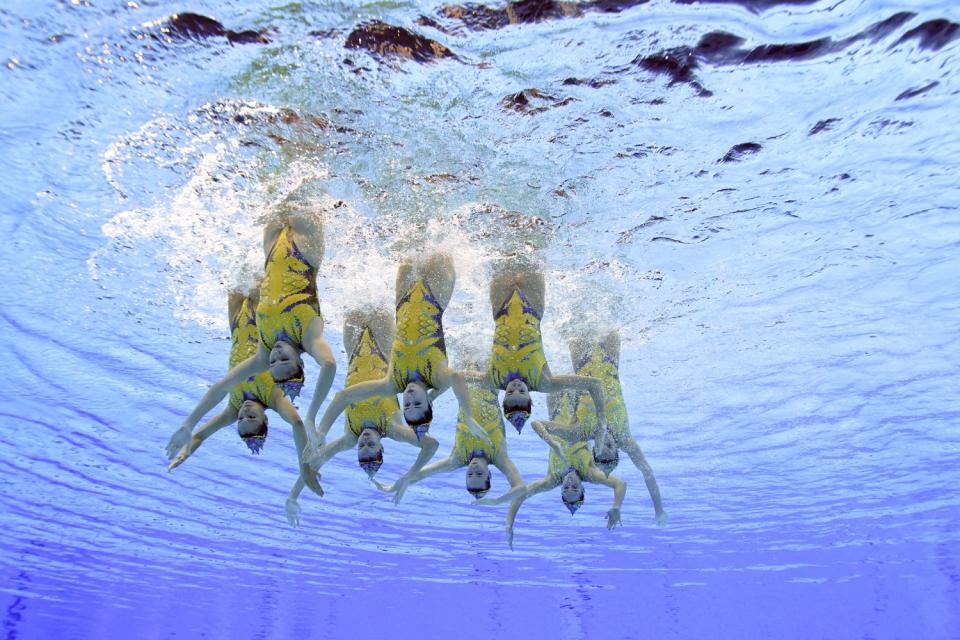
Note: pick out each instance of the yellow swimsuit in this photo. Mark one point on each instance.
(243, 344)
(581, 459)
(288, 294)
(418, 348)
(368, 363)
(517, 344)
(486, 411)
(599, 364)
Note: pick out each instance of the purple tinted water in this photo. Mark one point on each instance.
(761, 196)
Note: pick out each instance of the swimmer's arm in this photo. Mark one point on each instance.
(568, 432)
(477, 377)
(535, 487)
(217, 392)
(552, 383)
(553, 441)
(619, 490)
(335, 448)
(401, 432)
(318, 348)
(344, 397)
(210, 427)
(633, 450)
(454, 380)
(517, 488)
(440, 466)
(292, 507)
(288, 412)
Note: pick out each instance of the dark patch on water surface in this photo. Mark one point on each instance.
(823, 125)
(721, 48)
(531, 101)
(593, 83)
(739, 151)
(678, 63)
(912, 93)
(193, 26)
(382, 39)
(482, 17)
(478, 17)
(933, 34)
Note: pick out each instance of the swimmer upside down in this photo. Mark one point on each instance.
(288, 321)
(518, 363)
(473, 453)
(418, 367)
(366, 335)
(250, 399)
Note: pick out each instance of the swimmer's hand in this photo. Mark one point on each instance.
(311, 479)
(400, 487)
(557, 445)
(510, 538)
(662, 519)
(387, 488)
(293, 512)
(180, 439)
(613, 518)
(181, 456)
(477, 430)
(311, 454)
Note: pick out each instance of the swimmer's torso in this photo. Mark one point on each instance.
(517, 344)
(367, 362)
(288, 294)
(580, 459)
(244, 339)
(418, 347)
(601, 365)
(485, 407)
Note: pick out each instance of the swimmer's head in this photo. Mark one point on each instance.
(606, 453)
(517, 403)
(252, 424)
(286, 368)
(571, 491)
(370, 450)
(417, 412)
(478, 476)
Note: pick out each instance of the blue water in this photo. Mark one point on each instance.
(774, 230)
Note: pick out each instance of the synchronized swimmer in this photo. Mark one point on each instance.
(271, 326)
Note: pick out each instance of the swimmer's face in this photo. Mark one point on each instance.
(415, 404)
(251, 418)
(517, 394)
(571, 490)
(478, 477)
(369, 447)
(285, 361)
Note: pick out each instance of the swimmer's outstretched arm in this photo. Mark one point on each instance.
(552, 383)
(537, 486)
(632, 449)
(283, 406)
(256, 363)
(619, 490)
(440, 466)
(399, 431)
(448, 378)
(318, 348)
(344, 397)
(210, 427)
(553, 441)
(507, 468)
(341, 444)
